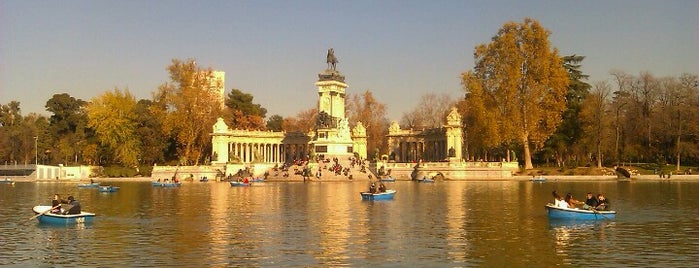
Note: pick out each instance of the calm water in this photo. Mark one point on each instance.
(446, 224)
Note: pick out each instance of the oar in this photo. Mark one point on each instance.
(597, 212)
(42, 213)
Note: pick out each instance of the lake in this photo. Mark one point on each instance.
(322, 224)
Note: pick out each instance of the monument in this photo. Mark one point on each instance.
(332, 132)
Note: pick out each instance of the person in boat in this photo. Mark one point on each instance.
(558, 200)
(603, 203)
(572, 202)
(591, 201)
(246, 180)
(73, 206)
(372, 188)
(56, 204)
(382, 187)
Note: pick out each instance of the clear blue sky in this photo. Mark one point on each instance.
(274, 50)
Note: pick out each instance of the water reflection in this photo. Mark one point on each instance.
(493, 224)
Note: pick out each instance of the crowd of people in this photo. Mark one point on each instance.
(592, 202)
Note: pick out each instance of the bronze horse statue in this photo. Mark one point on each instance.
(331, 60)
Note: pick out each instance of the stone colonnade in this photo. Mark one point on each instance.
(428, 145)
(414, 146)
(260, 151)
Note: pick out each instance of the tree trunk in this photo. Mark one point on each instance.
(599, 153)
(527, 154)
(679, 135)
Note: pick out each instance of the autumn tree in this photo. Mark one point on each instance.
(365, 108)
(521, 80)
(596, 125)
(113, 117)
(676, 103)
(192, 107)
(430, 111)
(620, 104)
(304, 121)
(242, 113)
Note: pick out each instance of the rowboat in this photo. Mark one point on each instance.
(89, 185)
(239, 184)
(7, 180)
(257, 180)
(387, 195)
(555, 212)
(426, 180)
(108, 188)
(51, 218)
(165, 184)
(388, 179)
(538, 179)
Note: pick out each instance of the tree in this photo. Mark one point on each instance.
(675, 106)
(303, 122)
(565, 141)
(68, 127)
(274, 123)
(430, 111)
(594, 120)
(150, 132)
(191, 108)
(365, 108)
(10, 128)
(522, 81)
(620, 103)
(113, 117)
(244, 114)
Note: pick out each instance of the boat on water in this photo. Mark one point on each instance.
(89, 185)
(555, 212)
(387, 195)
(388, 179)
(165, 184)
(7, 180)
(47, 217)
(108, 188)
(426, 180)
(257, 180)
(538, 179)
(239, 184)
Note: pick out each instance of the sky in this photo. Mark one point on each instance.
(274, 50)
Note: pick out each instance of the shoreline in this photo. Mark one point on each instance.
(296, 178)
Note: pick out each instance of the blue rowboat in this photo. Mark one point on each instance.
(555, 212)
(166, 184)
(239, 184)
(51, 218)
(108, 188)
(388, 179)
(387, 195)
(89, 185)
